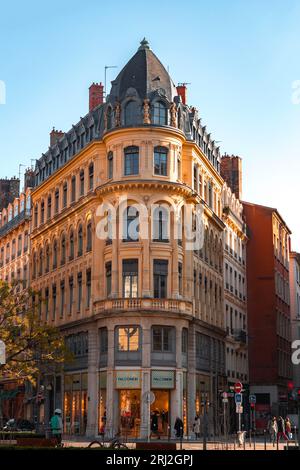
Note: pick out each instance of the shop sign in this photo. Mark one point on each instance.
(8, 394)
(2, 353)
(128, 379)
(163, 379)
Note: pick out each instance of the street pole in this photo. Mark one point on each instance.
(204, 425)
(225, 426)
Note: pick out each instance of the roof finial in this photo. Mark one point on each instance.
(144, 45)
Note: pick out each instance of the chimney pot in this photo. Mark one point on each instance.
(96, 93)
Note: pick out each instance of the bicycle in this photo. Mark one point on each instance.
(113, 443)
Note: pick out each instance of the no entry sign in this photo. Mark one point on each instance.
(238, 387)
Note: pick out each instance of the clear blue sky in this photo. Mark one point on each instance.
(240, 57)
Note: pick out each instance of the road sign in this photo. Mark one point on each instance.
(252, 399)
(225, 400)
(239, 409)
(238, 398)
(238, 387)
(2, 353)
(225, 395)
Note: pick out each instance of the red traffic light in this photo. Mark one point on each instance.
(290, 386)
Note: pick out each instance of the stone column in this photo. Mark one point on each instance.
(92, 414)
(191, 380)
(146, 382)
(111, 405)
(175, 280)
(146, 268)
(114, 269)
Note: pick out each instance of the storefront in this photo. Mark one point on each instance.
(162, 382)
(75, 403)
(102, 403)
(128, 384)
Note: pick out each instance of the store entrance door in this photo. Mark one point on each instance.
(130, 412)
(160, 414)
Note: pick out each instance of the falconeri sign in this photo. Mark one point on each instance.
(2, 353)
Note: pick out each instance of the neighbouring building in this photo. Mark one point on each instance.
(14, 266)
(269, 320)
(9, 190)
(295, 306)
(144, 317)
(235, 297)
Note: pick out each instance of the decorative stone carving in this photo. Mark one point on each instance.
(173, 113)
(146, 108)
(117, 114)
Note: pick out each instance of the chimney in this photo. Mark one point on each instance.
(55, 136)
(231, 172)
(181, 90)
(28, 178)
(96, 93)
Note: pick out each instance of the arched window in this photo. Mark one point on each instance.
(130, 224)
(131, 161)
(89, 237)
(34, 265)
(91, 176)
(161, 224)
(131, 113)
(110, 162)
(41, 262)
(35, 215)
(80, 241)
(109, 118)
(63, 250)
(71, 252)
(159, 114)
(47, 258)
(55, 254)
(161, 161)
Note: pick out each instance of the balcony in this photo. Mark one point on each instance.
(240, 336)
(24, 215)
(176, 306)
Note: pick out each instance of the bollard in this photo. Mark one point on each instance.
(181, 437)
(234, 444)
(254, 442)
(265, 439)
(244, 442)
(277, 445)
(250, 436)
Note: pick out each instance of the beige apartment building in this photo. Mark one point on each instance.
(141, 307)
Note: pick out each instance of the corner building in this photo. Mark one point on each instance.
(143, 316)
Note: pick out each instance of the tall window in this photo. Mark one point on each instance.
(73, 188)
(47, 255)
(159, 114)
(79, 291)
(49, 204)
(130, 113)
(62, 298)
(131, 162)
(163, 339)
(56, 201)
(88, 287)
(80, 241)
(55, 254)
(35, 218)
(71, 253)
(41, 262)
(108, 278)
(130, 224)
(71, 294)
(19, 245)
(63, 250)
(160, 278)
(161, 161)
(46, 303)
(65, 194)
(130, 278)
(161, 221)
(109, 118)
(42, 212)
(53, 301)
(81, 177)
(89, 237)
(110, 162)
(128, 338)
(180, 278)
(91, 176)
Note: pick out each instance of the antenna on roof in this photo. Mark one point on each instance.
(105, 73)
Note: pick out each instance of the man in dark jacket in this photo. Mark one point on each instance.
(281, 429)
(178, 426)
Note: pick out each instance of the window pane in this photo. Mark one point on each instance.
(157, 339)
(133, 337)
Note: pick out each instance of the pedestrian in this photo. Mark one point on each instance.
(281, 429)
(288, 428)
(273, 430)
(56, 426)
(154, 423)
(178, 426)
(196, 426)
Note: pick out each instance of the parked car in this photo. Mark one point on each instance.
(18, 425)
